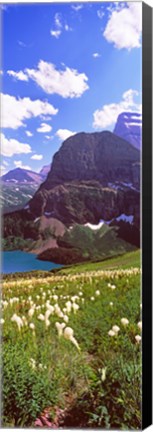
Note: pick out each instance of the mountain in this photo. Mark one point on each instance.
(94, 177)
(20, 175)
(129, 127)
(44, 171)
(18, 187)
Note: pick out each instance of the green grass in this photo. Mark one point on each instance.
(96, 386)
(131, 259)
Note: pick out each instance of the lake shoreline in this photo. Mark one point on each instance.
(18, 261)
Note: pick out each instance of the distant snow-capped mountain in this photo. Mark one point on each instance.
(20, 175)
(129, 127)
(19, 186)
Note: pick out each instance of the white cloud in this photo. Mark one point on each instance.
(19, 164)
(1, 72)
(28, 133)
(18, 75)
(48, 137)
(59, 26)
(66, 83)
(5, 163)
(108, 114)
(67, 27)
(22, 44)
(10, 146)
(96, 55)
(63, 134)
(55, 33)
(58, 20)
(2, 170)
(44, 127)
(124, 26)
(14, 111)
(100, 13)
(76, 8)
(37, 157)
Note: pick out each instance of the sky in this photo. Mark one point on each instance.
(65, 68)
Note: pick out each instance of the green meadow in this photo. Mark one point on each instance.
(72, 346)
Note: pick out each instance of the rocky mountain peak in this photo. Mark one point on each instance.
(129, 127)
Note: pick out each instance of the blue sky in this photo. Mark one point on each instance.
(65, 68)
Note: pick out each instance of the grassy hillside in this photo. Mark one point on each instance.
(127, 260)
(84, 377)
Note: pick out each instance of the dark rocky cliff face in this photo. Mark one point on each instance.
(89, 180)
(98, 156)
(129, 127)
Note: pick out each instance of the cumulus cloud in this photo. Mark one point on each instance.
(44, 127)
(59, 26)
(48, 137)
(19, 164)
(28, 133)
(18, 75)
(76, 8)
(14, 111)
(100, 13)
(124, 26)
(37, 157)
(55, 33)
(96, 55)
(108, 114)
(63, 134)
(66, 83)
(10, 146)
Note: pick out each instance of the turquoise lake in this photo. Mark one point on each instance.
(18, 261)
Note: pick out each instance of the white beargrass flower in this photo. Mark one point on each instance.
(41, 317)
(111, 333)
(32, 327)
(65, 318)
(97, 293)
(113, 287)
(138, 339)
(140, 325)
(92, 298)
(2, 320)
(68, 334)
(103, 374)
(31, 312)
(68, 306)
(111, 303)
(32, 363)
(18, 321)
(50, 307)
(116, 329)
(124, 321)
(75, 307)
(24, 320)
(60, 328)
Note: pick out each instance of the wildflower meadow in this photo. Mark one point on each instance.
(71, 347)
